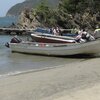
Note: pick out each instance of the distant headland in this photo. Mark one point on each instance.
(18, 8)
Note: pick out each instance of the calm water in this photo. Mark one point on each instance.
(13, 63)
(7, 21)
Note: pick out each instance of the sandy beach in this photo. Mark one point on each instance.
(75, 81)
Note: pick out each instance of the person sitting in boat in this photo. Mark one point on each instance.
(15, 39)
(84, 36)
(56, 31)
(87, 36)
(50, 30)
(79, 37)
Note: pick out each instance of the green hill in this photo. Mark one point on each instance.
(18, 8)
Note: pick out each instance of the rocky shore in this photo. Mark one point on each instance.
(28, 19)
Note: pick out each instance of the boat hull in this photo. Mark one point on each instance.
(92, 47)
(48, 38)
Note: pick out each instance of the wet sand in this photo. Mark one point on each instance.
(74, 81)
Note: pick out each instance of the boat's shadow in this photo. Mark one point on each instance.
(82, 56)
(76, 56)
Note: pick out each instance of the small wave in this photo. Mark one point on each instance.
(10, 74)
(28, 71)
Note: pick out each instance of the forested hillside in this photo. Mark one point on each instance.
(68, 14)
(18, 8)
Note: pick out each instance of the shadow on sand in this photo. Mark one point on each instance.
(77, 56)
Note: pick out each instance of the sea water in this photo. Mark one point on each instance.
(7, 21)
(16, 63)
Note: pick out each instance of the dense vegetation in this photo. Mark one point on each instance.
(18, 8)
(68, 14)
(79, 13)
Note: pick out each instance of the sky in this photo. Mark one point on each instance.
(5, 5)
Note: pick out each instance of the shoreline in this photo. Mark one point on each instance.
(58, 83)
(15, 73)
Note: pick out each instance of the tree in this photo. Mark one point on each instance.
(45, 14)
(68, 14)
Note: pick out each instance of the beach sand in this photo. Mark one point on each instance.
(75, 81)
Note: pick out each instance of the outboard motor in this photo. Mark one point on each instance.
(7, 45)
(15, 40)
(88, 37)
(97, 33)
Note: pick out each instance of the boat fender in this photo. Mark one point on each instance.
(42, 45)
